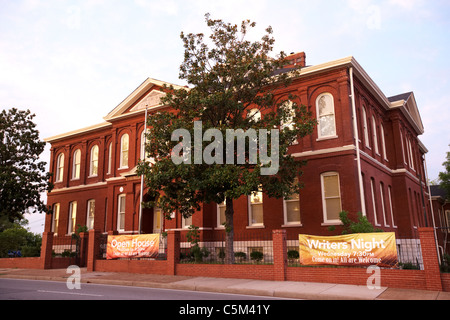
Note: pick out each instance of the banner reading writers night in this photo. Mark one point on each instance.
(133, 246)
(359, 249)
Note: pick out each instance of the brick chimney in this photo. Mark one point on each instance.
(296, 59)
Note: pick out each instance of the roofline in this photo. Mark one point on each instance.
(69, 134)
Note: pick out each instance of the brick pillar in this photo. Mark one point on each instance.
(93, 249)
(173, 251)
(84, 240)
(279, 255)
(430, 259)
(46, 250)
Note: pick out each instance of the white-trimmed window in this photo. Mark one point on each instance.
(124, 147)
(121, 205)
(55, 222)
(90, 214)
(391, 207)
(221, 219)
(76, 164)
(383, 142)
(254, 114)
(374, 204)
(109, 158)
(365, 128)
(186, 222)
(93, 168)
(255, 208)
(331, 197)
(383, 208)
(326, 116)
(374, 134)
(72, 217)
(291, 209)
(157, 220)
(60, 167)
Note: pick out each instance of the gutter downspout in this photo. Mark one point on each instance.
(356, 134)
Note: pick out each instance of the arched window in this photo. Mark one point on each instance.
(289, 123)
(93, 169)
(109, 158)
(374, 133)
(254, 114)
(365, 128)
(76, 164)
(124, 146)
(326, 116)
(60, 167)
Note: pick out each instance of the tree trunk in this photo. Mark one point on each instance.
(229, 232)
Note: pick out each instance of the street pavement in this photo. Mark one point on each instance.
(282, 289)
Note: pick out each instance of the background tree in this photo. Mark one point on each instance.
(444, 177)
(227, 83)
(22, 176)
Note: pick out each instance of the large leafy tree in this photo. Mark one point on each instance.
(22, 175)
(228, 83)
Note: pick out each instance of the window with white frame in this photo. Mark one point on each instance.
(254, 114)
(55, 222)
(186, 222)
(256, 209)
(289, 123)
(121, 205)
(291, 208)
(374, 204)
(383, 142)
(221, 207)
(93, 168)
(391, 207)
(331, 197)
(383, 208)
(326, 116)
(109, 158)
(76, 164)
(124, 147)
(374, 134)
(60, 167)
(90, 214)
(72, 217)
(365, 128)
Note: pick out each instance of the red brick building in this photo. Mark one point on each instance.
(364, 156)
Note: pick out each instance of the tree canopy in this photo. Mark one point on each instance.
(23, 176)
(233, 88)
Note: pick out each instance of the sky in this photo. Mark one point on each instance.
(72, 62)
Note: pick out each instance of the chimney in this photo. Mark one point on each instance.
(296, 59)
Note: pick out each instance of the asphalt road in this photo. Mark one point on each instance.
(13, 289)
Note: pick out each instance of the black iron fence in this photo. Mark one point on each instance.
(248, 248)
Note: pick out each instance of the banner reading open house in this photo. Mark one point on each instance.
(138, 246)
(359, 249)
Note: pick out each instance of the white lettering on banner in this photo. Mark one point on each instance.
(358, 244)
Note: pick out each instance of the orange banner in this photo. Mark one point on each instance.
(136, 246)
(359, 249)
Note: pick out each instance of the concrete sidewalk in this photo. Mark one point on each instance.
(284, 289)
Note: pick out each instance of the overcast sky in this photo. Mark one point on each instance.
(71, 62)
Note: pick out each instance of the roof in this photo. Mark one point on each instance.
(437, 191)
(402, 96)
